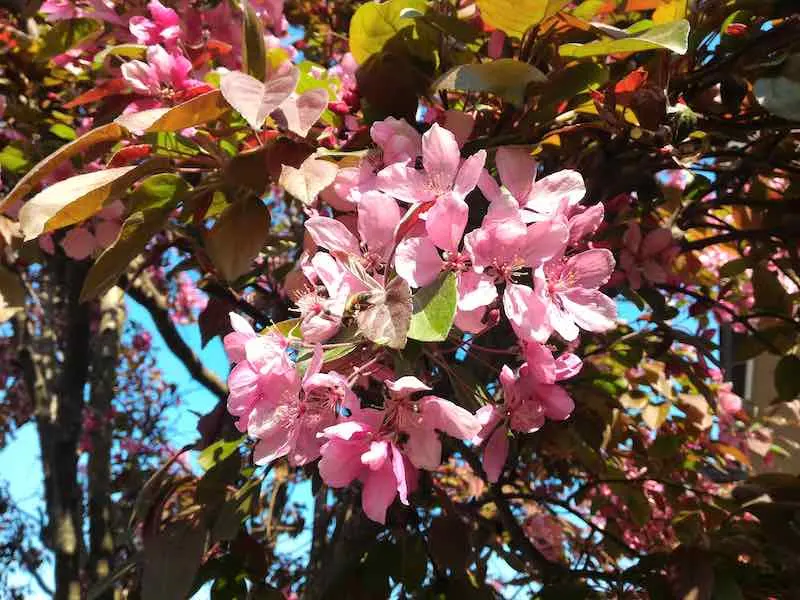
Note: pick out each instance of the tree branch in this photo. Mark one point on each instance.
(145, 293)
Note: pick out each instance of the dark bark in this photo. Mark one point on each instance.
(57, 384)
(105, 357)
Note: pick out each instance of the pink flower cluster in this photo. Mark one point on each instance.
(317, 414)
(404, 210)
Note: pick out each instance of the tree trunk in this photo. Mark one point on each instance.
(105, 357)
(59, 359)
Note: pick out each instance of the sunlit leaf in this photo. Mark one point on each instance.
(104, 134)
(672, 36)
(515, 17)
(505, 77)
(197, 111)
(434, 310)
(375, 23)
(255, 100)
(781, 95)
(76, 199)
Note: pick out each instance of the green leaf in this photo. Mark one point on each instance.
(787, 377)
(159, 191)
(515, 17)
(65, 132)
(197, 111)
(135, 51)
(374, 24)
(672, 36)
(781, 95)
(218, 451)
(434, 308)
(67, 34)
(505, 77)
(769, 292)
(254, 51)
(153, 201)
(13, 160)
(567, 83)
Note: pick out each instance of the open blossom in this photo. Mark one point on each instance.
(163, 26)
(570, 292)
(443, 180)
(530, 396)
(164, 75)
(646, 257)
(384, 448)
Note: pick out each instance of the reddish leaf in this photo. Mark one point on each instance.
(112, 87)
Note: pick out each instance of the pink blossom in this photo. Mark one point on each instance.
(164, 26)
(79, 243)
(321, 315)
(288, 423)
(569, 290)
(159, 78)
(529, 397)
(444, 181)
(647, 257)
(384, 448)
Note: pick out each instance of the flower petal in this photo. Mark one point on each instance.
(446, 221)
(495, 454)
(332, 235)
(380, 489)
(517, 170)
(527, 312)
(591, 309)
(378, 215)
(551, 193)
(448, 417)
(589, 269)
(417, 261)
(469, 173)
(440, 157)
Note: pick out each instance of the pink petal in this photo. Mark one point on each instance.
(380, 489)
(400, 474)
(517, 170)
(540, 362)
(568, 365)
(398, 140)
(527, 313)
(489, 187)
(495, 454)
(440, 157)
(417, 261)
(404, 183)
(656, 241)
(378, 215)
(469, 173)
(591, 309)
(475, 290)
(544, 241)
(632, 238)
(583, 225)
(423, 448)
(405, 386)
(590, 269)
(558, 404)
(448, 417)
(79, 243)
(340, 463)
(446, 221)
(562, 322)
(376, 456)
(333, 235)
(471, 321)
(548, 194)
(271, 445)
